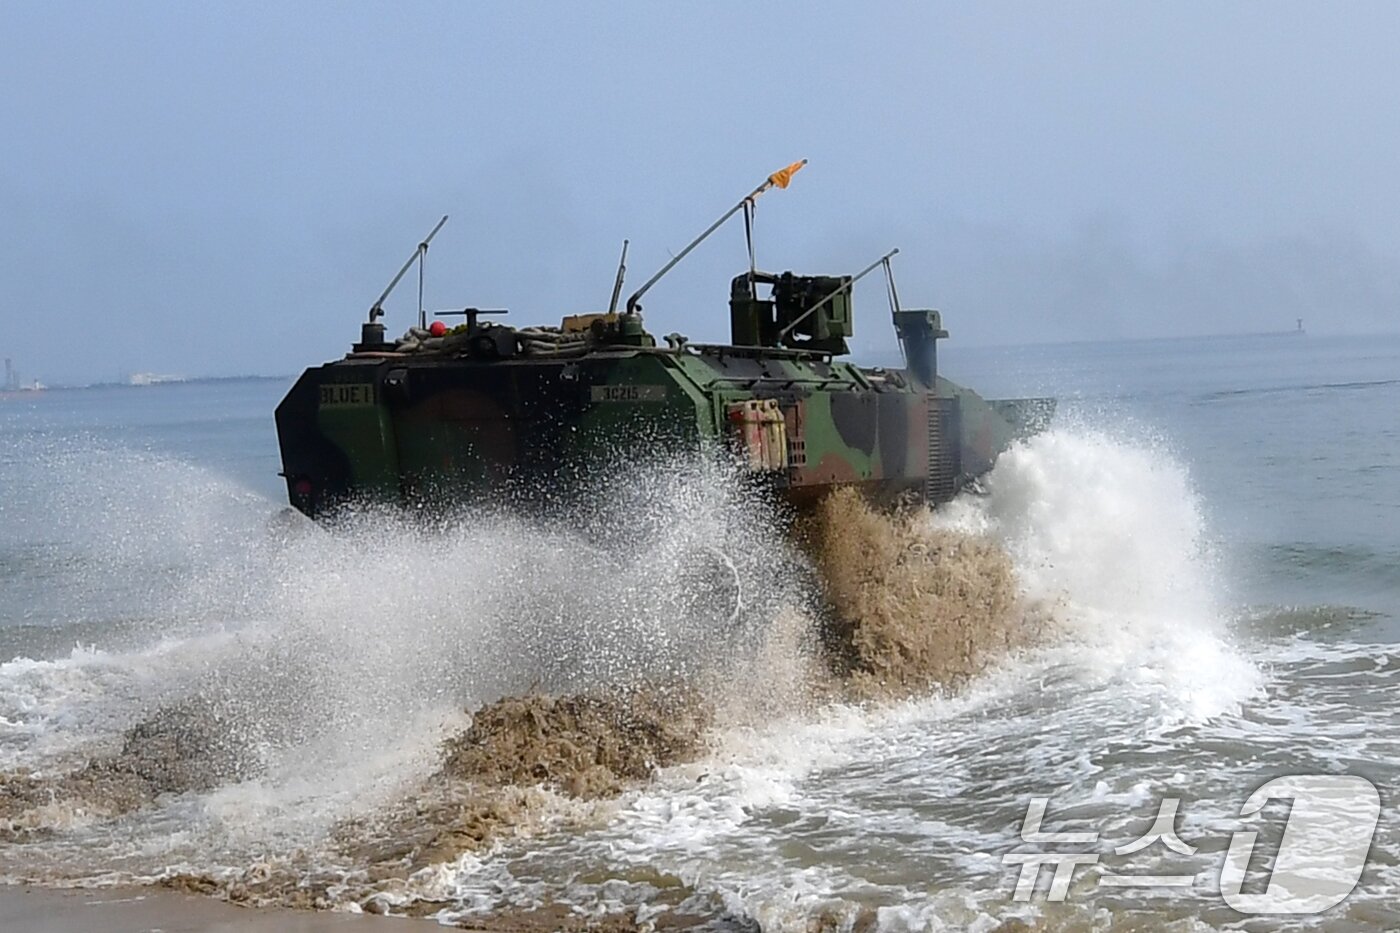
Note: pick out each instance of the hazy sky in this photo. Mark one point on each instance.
(209, 188)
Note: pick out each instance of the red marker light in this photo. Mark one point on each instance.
(437, 328)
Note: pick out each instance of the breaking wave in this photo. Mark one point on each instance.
(383, 707)
(1113, 535)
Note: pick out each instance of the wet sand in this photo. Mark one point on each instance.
(26, 909)
(146, 910)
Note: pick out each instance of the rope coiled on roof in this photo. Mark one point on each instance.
(552, 342)
(538, 342)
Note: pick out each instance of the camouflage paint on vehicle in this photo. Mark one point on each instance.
(490, 410)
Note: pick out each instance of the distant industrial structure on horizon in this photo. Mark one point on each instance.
(13, 383)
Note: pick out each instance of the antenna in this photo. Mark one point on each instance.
(617, 283)
(422, 263)
(889, 283)
(883, 260)
(376, 310)
(780, 178)
(894, 304)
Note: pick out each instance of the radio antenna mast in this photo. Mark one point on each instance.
(894, 303)
(617, 283)
(376, 310)
(781, 178)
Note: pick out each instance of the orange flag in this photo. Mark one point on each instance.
(783, 177)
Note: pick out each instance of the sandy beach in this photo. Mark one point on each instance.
(144, 910)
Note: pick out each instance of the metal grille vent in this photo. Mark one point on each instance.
(942, 482)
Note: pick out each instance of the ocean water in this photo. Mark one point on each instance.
(1215, 525)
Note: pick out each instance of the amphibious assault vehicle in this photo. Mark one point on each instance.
(488, 411)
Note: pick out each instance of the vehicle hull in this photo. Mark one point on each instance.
(415, 430)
